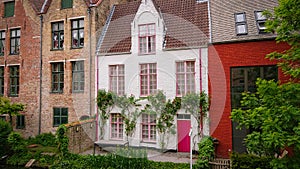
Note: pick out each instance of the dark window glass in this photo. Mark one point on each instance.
(78, 76)
(14, 81)
(66, 4)
(60, 116)
(1, 81)
(15, 35)
(77, 33)
(20, 122)
(2, 42)
(57, 77)
(9, 9)
(243, 79)
(58, 35)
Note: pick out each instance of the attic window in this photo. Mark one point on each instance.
(9, 9)
(147, 39)
(260, 21)
(240, 23)
(66, 4)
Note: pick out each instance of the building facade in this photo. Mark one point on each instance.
(152, 45)
(239, 45)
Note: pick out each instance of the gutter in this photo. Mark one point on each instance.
(90, 61)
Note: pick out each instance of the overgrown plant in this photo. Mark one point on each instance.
(206, 153)
(197, 105)
(62, 141)
(129, 111)
(5, 130)
(105, 102)
(17, 143)
(12, 109)
(165, 112)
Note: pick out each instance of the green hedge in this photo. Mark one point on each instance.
(5, 130)
(248, 161)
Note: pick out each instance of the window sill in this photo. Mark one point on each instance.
(56, 92)
(14, 54)
(8, 16)
(143, 54)
(77, 92)
(21, 128)
(148, 142)
(76, 47)
(57, 49)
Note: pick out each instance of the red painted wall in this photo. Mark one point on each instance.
(221, 57)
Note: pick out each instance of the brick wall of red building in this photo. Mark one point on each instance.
(221, 58)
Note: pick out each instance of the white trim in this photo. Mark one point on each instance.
(43, 7)
(56, 61)
(57, 20)
(16, 27)
(17, 64)
(77, 17)
(2, 65)
(73, 60)
(2, 29)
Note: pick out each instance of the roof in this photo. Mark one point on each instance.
(40, 6)
(186, 22)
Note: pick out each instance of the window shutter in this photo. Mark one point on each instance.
(9, 9)
(66, 4)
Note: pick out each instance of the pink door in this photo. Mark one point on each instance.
(183, 129)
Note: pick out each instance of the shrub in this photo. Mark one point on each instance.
(16, 142)
(248, 161)
(5, 130)
(206, 153)
(45, 139)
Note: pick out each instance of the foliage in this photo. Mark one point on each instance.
(12, 109)
(248, 161)
(5, 130)
(197, 105)
(62, 140)
(16, 142)
(206, 152)
(129, 111)
(44, 139)
(165, 111)
(105, 102)
(286, 23)
(286, 162)
(273, 113)
(131, 152)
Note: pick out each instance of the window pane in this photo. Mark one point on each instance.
(240, 17)
(260, 16)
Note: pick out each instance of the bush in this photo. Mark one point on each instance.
(248, 161)
(16, 142)
(5, 130)
(45, 139)
(206, 153)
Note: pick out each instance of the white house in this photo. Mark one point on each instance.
(152, 45)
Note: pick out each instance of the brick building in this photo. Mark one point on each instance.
(237, 53)
(19, 61)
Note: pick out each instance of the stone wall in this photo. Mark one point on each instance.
(81, 135)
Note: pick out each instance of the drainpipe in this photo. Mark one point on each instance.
(209, 22)
(41, 73)
(90, 62)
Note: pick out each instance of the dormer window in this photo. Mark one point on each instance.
(240, 23)
(260, 21)
(147, 39)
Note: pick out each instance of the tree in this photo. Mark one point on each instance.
(273, 115)
(285, 22)
(12, 109)
(197, 105)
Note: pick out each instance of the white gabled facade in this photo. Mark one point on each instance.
(165, 60)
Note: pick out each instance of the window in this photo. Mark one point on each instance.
(78, 76)
(117, 79)
(2, 42)
(185, 77)
(240, 23)
(243, 79)
(9, 9)
(147, 39)
(14, 81)
(15, 41)
(116, 126)
(60, 116)
(149, 127)
(1, 81)
(148, 77)
(77, 33)
(58, 35)
(66, 4)
(260, 21)
(20, 122)
(57, 77)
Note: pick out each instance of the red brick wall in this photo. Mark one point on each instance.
(221, 58)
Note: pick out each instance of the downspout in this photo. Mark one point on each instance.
(201, 88)
(209, 22)
(90, 62)
(41, 73)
